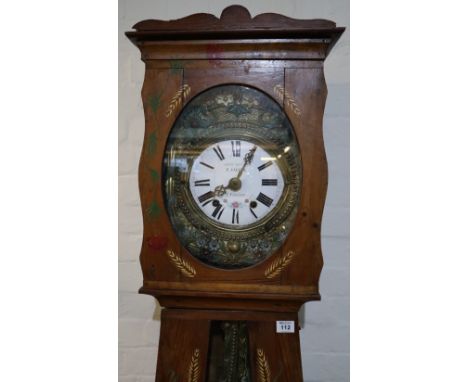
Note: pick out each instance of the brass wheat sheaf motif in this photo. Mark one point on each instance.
(182, 265)
(263, 369)
(194, 369)
(279, 264)
(284, 95)
(176, 100)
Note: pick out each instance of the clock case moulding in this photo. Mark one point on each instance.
(283, 58)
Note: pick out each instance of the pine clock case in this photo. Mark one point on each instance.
(281, 57)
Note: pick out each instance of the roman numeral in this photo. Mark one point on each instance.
(236, 148)
(235, 216)
(266, 200)
(217, 213)
(204, 182)
(219, 153)
(206, 197)
(269, 182)
(253, 213)
(207, 165)
(265, 165)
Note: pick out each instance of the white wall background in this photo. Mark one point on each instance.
(325, 337)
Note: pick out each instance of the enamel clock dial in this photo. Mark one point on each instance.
(232, 176)
(236, 183)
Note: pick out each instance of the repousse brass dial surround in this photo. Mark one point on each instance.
(220, 114)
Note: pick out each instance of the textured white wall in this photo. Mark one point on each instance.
(325, 337)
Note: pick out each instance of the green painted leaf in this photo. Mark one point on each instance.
(175, 65)
(154, 175)
(153, 210)
(277, 379)
(155, 101)
(173, 377)
(152, 141)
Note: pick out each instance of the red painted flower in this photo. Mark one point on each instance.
(213, 51)
(157, 242)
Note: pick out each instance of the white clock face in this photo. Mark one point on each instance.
(236, 182)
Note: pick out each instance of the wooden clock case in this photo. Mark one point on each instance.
(283, 58)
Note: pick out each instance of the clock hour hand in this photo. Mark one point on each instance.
(220, 190)
(234, 185)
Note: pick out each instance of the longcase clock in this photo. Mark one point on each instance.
(232, 179)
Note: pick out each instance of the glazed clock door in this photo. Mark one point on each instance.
(232, 176)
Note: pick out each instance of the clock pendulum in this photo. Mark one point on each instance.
(232, 183)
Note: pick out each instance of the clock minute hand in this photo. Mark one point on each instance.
(247, 160)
